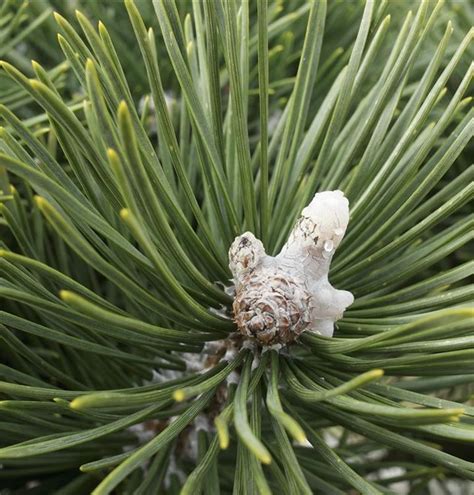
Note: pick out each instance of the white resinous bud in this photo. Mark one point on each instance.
(278, 298)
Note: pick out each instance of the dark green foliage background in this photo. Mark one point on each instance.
(149, 153)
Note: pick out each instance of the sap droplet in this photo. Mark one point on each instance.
(328, 246)
(339, 231)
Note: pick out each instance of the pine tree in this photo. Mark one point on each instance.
(134, 152)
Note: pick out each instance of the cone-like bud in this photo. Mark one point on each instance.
(277, 298)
